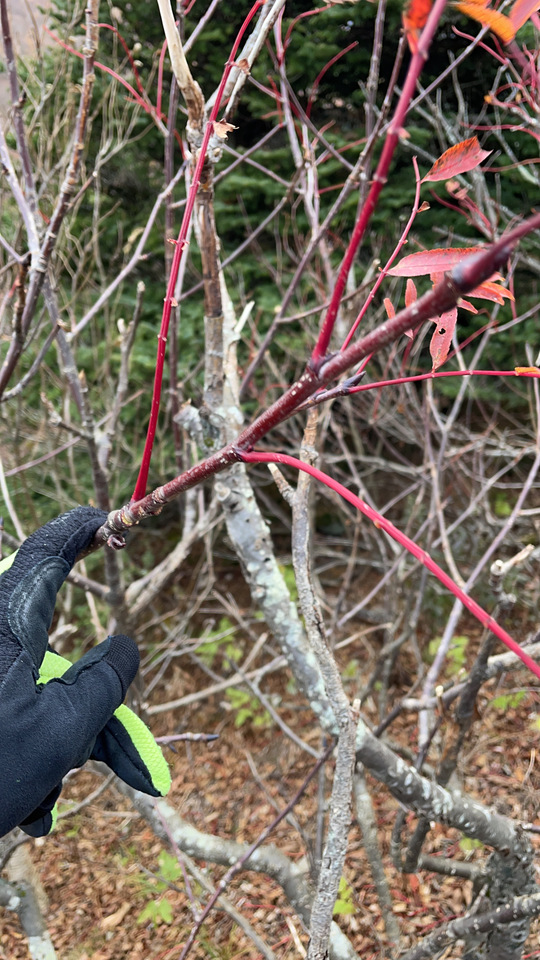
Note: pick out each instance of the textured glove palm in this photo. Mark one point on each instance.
(55, 715)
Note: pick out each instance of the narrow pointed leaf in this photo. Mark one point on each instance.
(410, 296)
(500, 25)
(467, 306)
(491, 291)
(462, 157)
(521, 11)
(442, 338)
(410, 293)
(431, 261)
(389, 307)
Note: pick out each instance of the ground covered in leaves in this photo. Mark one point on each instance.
(115, 891)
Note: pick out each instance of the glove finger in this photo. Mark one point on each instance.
(75, 706)
(119, 653)
(127, 746)
(42, 820)
(29, 586)
(53, 727)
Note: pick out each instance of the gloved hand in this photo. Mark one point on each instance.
(55, 715)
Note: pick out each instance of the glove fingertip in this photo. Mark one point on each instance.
(127, 746)
(149, 751)
(43, 825)
(123, 657)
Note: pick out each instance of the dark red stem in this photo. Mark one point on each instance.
(142, 479)
(379, 179)
(467, 275)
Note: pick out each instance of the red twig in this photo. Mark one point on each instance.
(466, 276)
(416, 378)
(140, 486)
(129, 55)
(307, 13)
(386, 268)
(379, 179)
(101, 66)
(326, 67)
(383, 524)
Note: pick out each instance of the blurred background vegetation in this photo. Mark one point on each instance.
(124, 158)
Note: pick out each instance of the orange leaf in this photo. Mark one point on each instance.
(410, 293)
(389, 307)
(465, 305)
(442, 338)
(464, 156)
(500, 25)
(521, 11)
(410, 296)
(414, 20)
(491, 291)
(431, 261)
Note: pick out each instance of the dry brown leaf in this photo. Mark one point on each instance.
(222, 128)
(114, 919)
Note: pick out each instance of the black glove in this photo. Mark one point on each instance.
(55, 715)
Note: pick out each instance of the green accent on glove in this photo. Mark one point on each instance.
(149, 751)
(47, 730)
(52, 667)
(6, 562)
(142, 740)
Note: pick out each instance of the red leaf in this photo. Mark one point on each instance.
(410, 293)
(414, 20)
(500, 25)
(389, 307)
(410, 296)
(442, 338)
(521, 11)
(464, 156)
(468, 306)
(491, 291)
(431, 261)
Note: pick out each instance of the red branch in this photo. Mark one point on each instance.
(127, 51)
(324, 70)
(142, 479)
(101, 66)
(467, 275)
(383, 524)
(379, 179)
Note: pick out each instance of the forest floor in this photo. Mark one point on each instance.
(101, 867)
